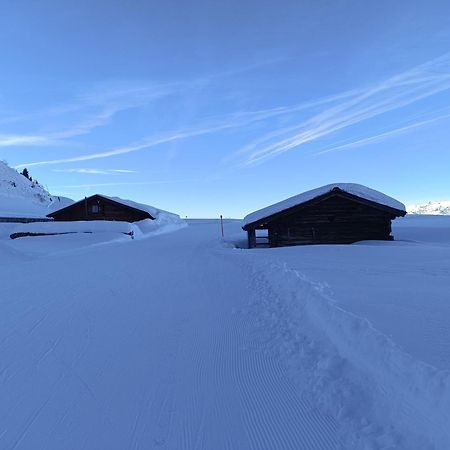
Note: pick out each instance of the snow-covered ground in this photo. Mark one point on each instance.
(384, 307)
(184, 341)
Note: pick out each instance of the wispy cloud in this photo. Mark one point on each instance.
(324, 116)
(383, 136)
(11, 140)
(395, 92)
(96, 171)
(136, 183)
(88, 111)
(214, 125)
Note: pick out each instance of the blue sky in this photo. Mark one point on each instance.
(223, 107)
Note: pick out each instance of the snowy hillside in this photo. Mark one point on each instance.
(20, 197)
(441, 208)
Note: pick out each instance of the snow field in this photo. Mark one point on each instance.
(182, 341)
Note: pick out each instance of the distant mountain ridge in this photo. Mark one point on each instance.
(21, 197)
(437, 208)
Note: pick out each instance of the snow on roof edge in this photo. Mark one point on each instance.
(153, 211)
(358, 190)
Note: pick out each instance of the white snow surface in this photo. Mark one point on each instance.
(441, 208)
(186, 341)
(351, 188)
(21, 198)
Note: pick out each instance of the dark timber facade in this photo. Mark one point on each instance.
(98, 207)
(336, 217)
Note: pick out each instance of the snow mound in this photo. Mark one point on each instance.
(351, 188)
(23, 198)
(441, 208)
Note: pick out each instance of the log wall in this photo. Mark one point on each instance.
(108, 210)
(336, 220)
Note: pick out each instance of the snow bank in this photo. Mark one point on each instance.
(351, 188)
(357, 372)
(92, 226)
(164, 223)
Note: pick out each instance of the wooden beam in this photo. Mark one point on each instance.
(251, 235)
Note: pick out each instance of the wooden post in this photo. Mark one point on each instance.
(85, 207)
(221, 224)
(251, 235)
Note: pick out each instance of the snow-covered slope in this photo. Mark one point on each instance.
(20, 197)
(441, 208)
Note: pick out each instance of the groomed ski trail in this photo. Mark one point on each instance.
(143, 345)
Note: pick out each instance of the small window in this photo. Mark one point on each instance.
(95, 209)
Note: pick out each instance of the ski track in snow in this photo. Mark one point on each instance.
(145, 345)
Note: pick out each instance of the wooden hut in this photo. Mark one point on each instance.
(334, 214)
(101, 207)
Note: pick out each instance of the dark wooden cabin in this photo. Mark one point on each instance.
(336, 215)
(99, 207)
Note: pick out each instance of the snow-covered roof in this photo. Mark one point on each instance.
(146, 208)
(154, 212)
(351, 188)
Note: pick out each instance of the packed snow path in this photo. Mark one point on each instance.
(141, 345)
